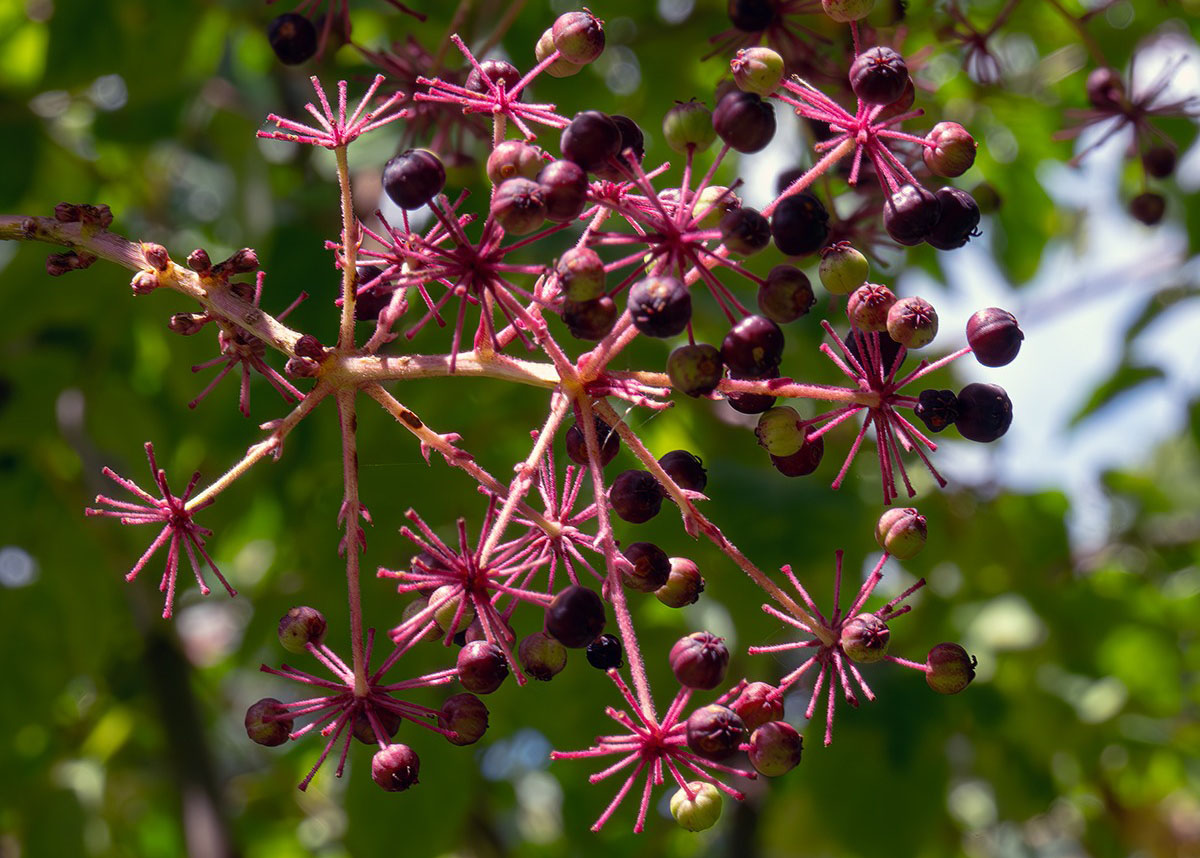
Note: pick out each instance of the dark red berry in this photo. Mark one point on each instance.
(564, 189)
(609, 441)
(715, 732)
(604, 653)
(800, 225)
(952, 150)
(753, 347)
(752, 16)
(995, 337)
(635, 496)
(499, 71)
(293, 38)
(700, 660)
(590, 320)
(267, 722)
(575, 617)
(775, 748)
(937, 409)
(482, 667)
(518, 206)
(868, 306)
(744, 230)
(957, 222)
(1148, 207)
(744, 121)
(651, 567)
(591, 139)
(684, 584)
(752, 403)
(786, 294)
(413, 178)
(878, 76)
(1105, 89)
(695, 369)
(542, 656)
(660, 306)
(465, 716)
(984, 412)
(300, 627)
(578, 36)
(685, 469)
(757, 704)
(514, 159)
(1159, 161)
(804, 461)
(911, 214)
(395, 767)
(364, 730)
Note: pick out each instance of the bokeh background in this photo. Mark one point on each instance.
(1066, 556)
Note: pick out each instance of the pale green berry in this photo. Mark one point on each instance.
(701, 810)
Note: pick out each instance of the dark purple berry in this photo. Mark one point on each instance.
(995, 337)
(786, 294)
(684, 584)
(715, 732)
(371, 302)
(564, 189)
(744, 121)
(633, 141)
(293, 38)
(591, 139)
(1148, 207)
(752, 16)
(878, 76)
(482, 667)
(604, 653)
(499, 71)
(958, 221)
(542, 656)
(609, 441)
(1159, 161)
(800, 225)
(753, 347)
(984, 412)
(590, 320)
(758, 704)
(635, 496)
(745, 231)
(937, 409)
(578, 36)
(518, 206)
(465, 716)
(685, 469)
(804, 461)
(300, 627)
(575, 617)
(651, 567)
(752, 403)
(700, 660)
(660, 306)
(1105, 89)
(775, 748)
(267, 722)
(948, 668)
(395, 767)
(911, 214)
(695, 369)
(413, 178)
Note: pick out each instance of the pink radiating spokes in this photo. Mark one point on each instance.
(333, 130)
(650, 746)
(179, 530)
(834, 668)
(336, 711)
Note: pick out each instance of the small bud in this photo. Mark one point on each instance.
(700, 660)
(144, 282)
(267, 722)
(950, 150)
(466, 716)
(395, 767)
(310, 347)
(301, 626)
(684, 584)
(699, 812)
(902, 532)
(242, 261)
(185, 324)
(779, 431)
(199, 261)
(156, 256)
(301, 367)
(715, 732)
(868, 306)
(843, 269)
(948, 668)
(912, 322)
(757, 704)
(66, 213)
(99, 216)
(688, 123)
(775, 748)
(542, 656)
(758, 70)
(865, 638)
(482, 667)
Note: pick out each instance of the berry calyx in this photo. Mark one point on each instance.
(300, 627)
(542, 657)
(686, 469)
(700, 810)
(482, 667)
(949, 669)
(744, 121)
(775, 748)
(267, 722)
(902, 532)
(994, 336)
(800, 225)
(465, 716)
(395, 767)
(950, 151)
(865, 638)
(984, 412)
(575, 617)
(911, 214)
(635, 496)
(868, 307)
(605, 652)
(758, 70)
(660, 306)
(684, 584)
(843, 269)
(651, 567)
(293, 38)
(878, 75)
(715, 731)
(688, 124)
(912, 322)
(786, 295)
(413, 178)
(699, 660)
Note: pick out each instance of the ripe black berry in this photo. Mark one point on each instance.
(293, 38)
(752, 16)
(575, 617)
(911, 214)
(685, 469)
(591, 139)
(936, 408)
(984, 412)
(413, 178)
(744, 121)
(786, 294)
(744, 230)
(635, 496)
(1148, 207)
(994, 335)
(604, 653)
(958, 219)
(878, 76)
(753, 347)
(651, 567)
(609, 441)
(590, 320)
(564, 188)
(1159, 161)
(800, 225)
(633, 141)
(660, 306)
(695, 369)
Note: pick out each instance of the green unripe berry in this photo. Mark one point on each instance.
(901, 532)
(447, 598)
(779, 431)
(948, 668)
(581, 274)
(300, 627)
(758, 70)
(712, 204)
(843, 269)
(688, 123)
(698, 811)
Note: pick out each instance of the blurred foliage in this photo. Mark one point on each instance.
(1080, 736)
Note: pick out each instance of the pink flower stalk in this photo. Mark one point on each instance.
(333, 131)
(472, 583)
(830, 638)
(241, 348)
(368, 709)
(179, 528)
(651, 746)
(496, 99)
